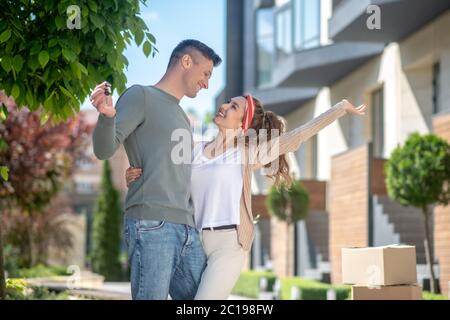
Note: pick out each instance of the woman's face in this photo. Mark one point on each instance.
(230, 114)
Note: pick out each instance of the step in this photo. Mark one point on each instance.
(404, 213)
(411, 237)
(408, 232)
(398, 207)
(406, 225)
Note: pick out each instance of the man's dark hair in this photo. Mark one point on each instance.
(187, 46)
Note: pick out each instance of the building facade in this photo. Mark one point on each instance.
(300, 57)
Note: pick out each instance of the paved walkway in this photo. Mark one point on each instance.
(121, 291)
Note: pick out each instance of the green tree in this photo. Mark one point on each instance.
(4, 175)
(2, 269)
(105, 252)
(4, 170)
(46, 62)
(289, 204)
(47, 65)
(418, 175)
(40, 157)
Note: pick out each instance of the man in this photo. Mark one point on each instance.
(164, 249)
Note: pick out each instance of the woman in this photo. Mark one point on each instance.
(221, 181)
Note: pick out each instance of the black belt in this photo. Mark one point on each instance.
(230, 226)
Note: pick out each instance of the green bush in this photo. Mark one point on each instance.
(342, 292)
(248, 286)
(39, 271)
(11, 261)
(248, 283)
(42, 293)
(106, 235)
(310, 289)
(17, 289)
(431, 296)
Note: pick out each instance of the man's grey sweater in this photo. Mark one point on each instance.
(145, 119)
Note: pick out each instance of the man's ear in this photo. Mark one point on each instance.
(186, 61)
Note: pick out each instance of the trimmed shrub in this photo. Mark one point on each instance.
(248, 283)
(311, 290)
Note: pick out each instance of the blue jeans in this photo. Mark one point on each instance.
(165, 258)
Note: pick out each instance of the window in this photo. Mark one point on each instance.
(437, 106)
(306, 157)
(84, 188)
(297, 27)
(306, 14)
(283, 31)
(378, 123)
(265, 45)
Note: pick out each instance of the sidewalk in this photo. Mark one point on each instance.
(122, 291)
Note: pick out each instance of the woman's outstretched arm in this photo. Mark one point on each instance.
(267, 151)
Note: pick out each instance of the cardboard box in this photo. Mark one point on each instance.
(379, 266)
(405, 292)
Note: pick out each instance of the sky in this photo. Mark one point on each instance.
(172, 21)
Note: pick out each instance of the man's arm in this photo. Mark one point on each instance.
(114, 127)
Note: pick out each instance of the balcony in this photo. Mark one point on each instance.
(399, 18)
(322, 66)
(283, 100)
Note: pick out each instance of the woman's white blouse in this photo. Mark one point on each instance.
(216, 187)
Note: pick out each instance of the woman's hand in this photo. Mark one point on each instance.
(132, 174)
(349, 108)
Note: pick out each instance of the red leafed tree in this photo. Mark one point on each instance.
(40, 157)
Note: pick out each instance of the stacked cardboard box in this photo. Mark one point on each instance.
(381, 273)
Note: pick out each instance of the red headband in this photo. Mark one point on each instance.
(249, 112)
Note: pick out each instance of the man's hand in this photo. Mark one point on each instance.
(349, 108)
(102, 101)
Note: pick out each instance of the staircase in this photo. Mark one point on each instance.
(394, 223)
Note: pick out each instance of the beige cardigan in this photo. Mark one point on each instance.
(287, 142)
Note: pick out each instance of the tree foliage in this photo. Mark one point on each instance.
(39, 157)
(45, 62)
(288, 204)
(418, 173)
(105, 254)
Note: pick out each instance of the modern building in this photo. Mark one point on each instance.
(302, 56)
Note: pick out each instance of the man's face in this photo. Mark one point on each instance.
(198, 71)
